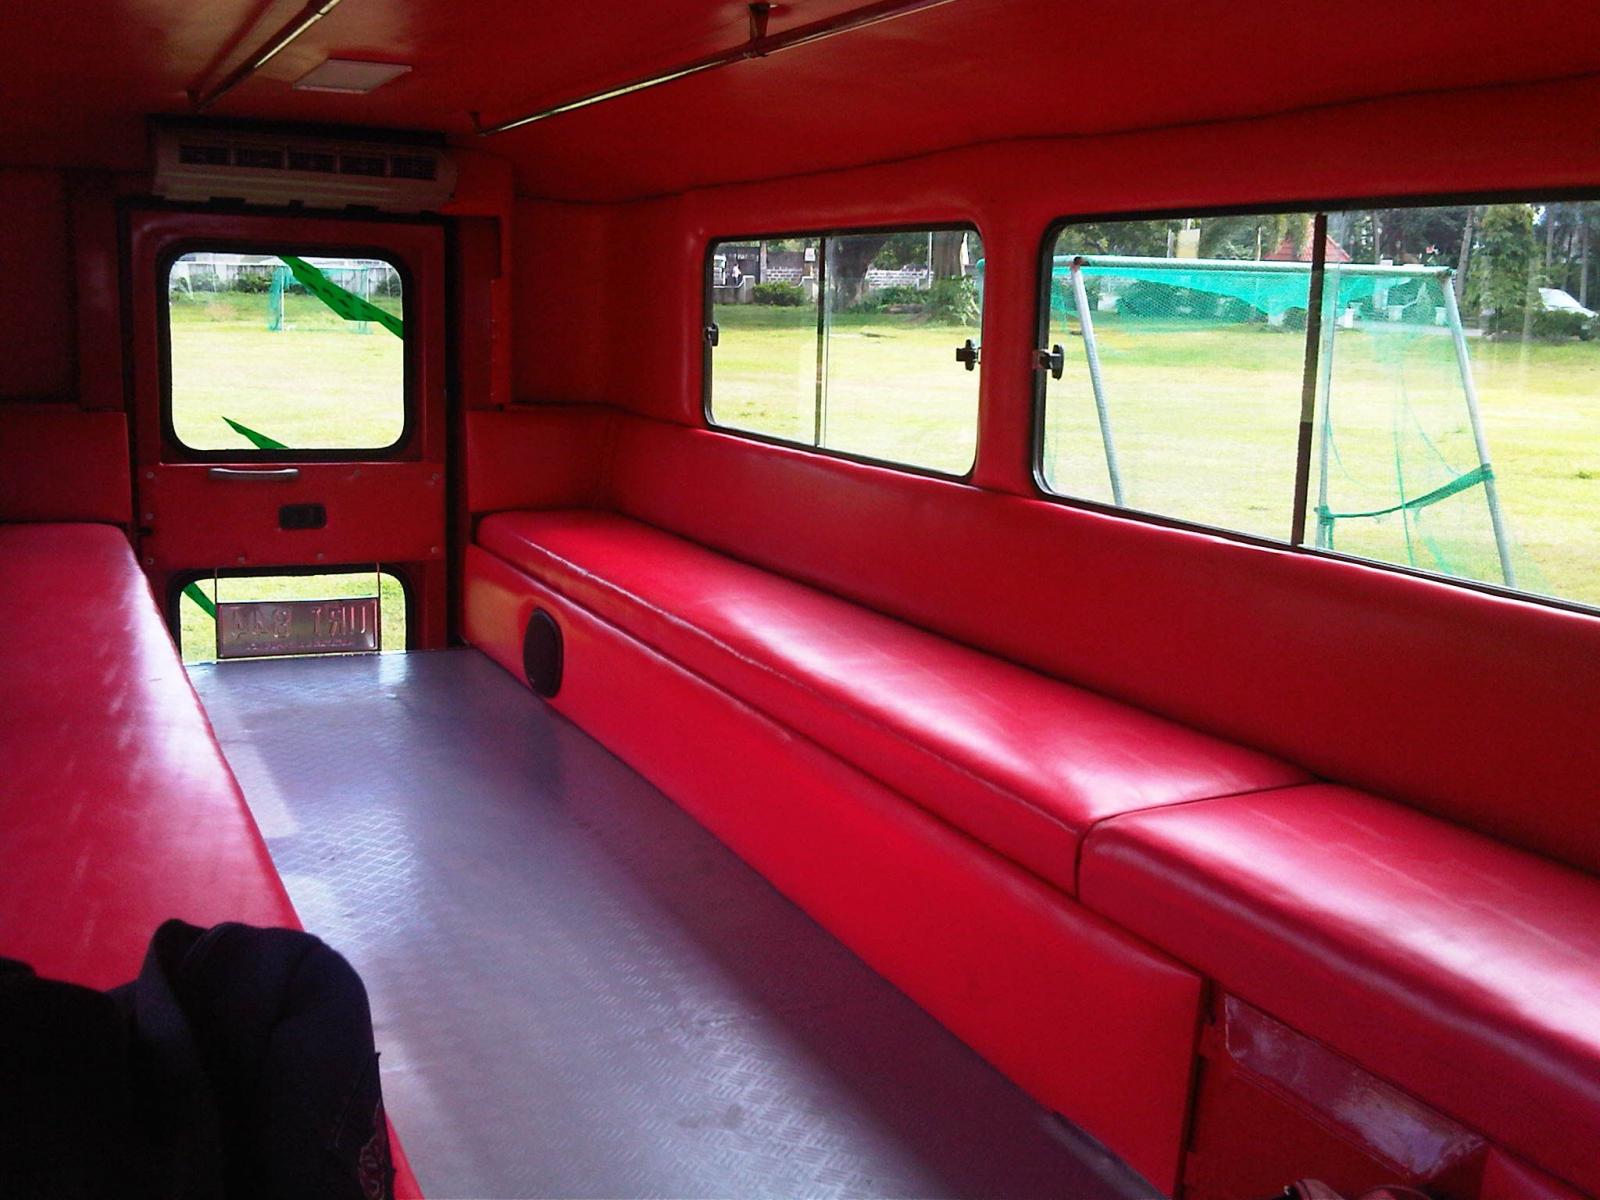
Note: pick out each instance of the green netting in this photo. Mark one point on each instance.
(346, 303)
(1271, 288)
(1181, 395)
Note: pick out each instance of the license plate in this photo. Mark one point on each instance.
(268, 628)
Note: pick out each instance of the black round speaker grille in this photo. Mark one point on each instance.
(541, 653)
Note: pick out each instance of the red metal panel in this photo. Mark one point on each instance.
(36, 315)
(377, 512)
(963, 73)
(390, 511)
(60, 464)
(538, 456)
(1091, 1022)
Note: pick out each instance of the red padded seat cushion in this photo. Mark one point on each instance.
(1460, 968)
(1450, 700)
(117, 810)
(1024, 763)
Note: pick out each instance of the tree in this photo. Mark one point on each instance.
(947, 253)
(1146, 239)
(1464, 259)
(848, 260)
(1506, 260)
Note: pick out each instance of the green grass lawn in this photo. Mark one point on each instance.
(316, 384)
(1205, 423)
(895, 390)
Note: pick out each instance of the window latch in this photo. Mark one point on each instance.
(713, 335)
(967, 354)
(1053, 360)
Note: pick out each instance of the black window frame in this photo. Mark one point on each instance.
(1044, 265)
(174, 449)
(708, 351)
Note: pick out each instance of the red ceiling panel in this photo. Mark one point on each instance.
(80, 77)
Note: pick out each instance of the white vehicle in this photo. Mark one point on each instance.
(1556, 300)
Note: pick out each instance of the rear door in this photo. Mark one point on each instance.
(288, 388)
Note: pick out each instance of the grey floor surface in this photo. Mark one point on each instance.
(577, 990)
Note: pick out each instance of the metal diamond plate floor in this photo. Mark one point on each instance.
(577, 990)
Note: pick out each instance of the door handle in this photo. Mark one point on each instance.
(259, 474)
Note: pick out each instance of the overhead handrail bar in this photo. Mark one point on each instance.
(268, 50)
(759, 45)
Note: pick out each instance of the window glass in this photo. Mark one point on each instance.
(1458, 420)
(197, 626)
(765, 300)
(1453, 359)
(863, 343)
(1181, 362)
(280, 352)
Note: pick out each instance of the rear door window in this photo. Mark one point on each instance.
(279, 353)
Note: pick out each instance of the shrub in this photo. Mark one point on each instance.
(1144, 299)
(252, 282)
(954, 301)
(780, 295)
(1561, 324)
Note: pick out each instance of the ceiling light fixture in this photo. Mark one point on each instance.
(349, 75)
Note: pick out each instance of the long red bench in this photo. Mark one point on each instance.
(1024, 763)
(1465, 970)
(117, 808)
(1064, 687)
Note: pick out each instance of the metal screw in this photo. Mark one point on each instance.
(149, 474)
(241, 558)
(149, 562)
(433, 549)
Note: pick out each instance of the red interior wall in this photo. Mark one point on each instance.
(608, 303)
(37, 315)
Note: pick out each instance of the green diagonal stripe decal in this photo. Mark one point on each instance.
(260, 440)
(347, 304)
(204, 601)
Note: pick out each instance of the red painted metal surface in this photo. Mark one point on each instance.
(1273, 1106)
(390, 512)
(58, 463)
(995, 69)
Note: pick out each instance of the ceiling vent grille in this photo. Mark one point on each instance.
(272, 169)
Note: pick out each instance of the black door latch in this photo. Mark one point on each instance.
(713, 335)
(967, 353)
(1054, 360)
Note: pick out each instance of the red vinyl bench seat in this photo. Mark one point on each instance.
(1434, 927)
(117, 810)
(1024, 763)
(1462, 969)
